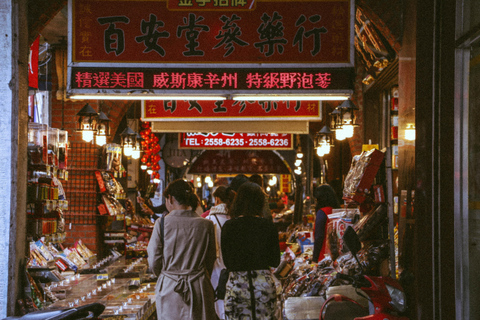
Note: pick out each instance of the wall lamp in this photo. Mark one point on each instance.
(103, 129)
(129, 138)
(324, 141)
(344, 120)
(93, 125)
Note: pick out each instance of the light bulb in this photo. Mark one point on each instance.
(298, 162)
(299, 155)
(320, 152)
(210, 184)
(410, 132)
(143, 167)
(136, 154)
(127, 150)
(149, 171)
(347, 130)
(326, 148)
(100, 140)
(199, 185)
(87, 135)
(339, 134)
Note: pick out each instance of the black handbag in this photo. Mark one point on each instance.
(222, 285)
(221, 288)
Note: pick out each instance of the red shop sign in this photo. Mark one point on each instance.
(312, 32)
(235, 141)
(239, 161)
(183, 110)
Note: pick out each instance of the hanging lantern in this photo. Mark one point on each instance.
(128, 141)
(347, 110)
(138, 147)
(103, 129)
(336, 124)
(87, 122)
(324, 141)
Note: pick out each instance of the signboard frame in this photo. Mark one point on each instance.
(196, 116)
(268, 142)
(141, 93)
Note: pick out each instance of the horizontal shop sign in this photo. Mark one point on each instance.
(239, 161)
(274, 31)
(214, 140)
(181, 110)
(208, 80)
(293, 127)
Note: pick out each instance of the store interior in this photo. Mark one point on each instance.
(90, 160)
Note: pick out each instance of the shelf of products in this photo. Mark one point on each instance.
(123, 286)
(47, 167)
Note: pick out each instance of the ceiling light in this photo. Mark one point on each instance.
(310, 97)
(145, 97)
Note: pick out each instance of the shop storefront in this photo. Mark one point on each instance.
(431, 83)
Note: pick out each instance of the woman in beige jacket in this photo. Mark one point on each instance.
(183, 260)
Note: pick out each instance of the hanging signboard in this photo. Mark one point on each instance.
(239, 161)
(145, 47)
(226, 110)
(212, 80)
(314, 32)
(235, 141)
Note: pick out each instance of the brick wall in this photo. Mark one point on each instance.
(81, 187)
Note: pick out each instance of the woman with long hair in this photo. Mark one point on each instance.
(181, 252)
(219, 215)
(250, 248)
(326, 201)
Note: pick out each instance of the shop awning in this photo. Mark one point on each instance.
(239, 161)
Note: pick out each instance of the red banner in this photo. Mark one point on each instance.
(181, 110)
(303, 32)
(235, 141)
(33, 64)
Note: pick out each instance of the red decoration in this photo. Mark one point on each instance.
(151, 148)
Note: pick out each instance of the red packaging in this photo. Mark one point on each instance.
(101, 184)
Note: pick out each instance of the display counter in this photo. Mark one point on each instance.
(125, 289)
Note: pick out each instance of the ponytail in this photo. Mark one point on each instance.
(183, 192)
(225, 194)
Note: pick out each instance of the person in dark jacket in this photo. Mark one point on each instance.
(250, 247)
(326, 201)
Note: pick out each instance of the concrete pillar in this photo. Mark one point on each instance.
(14, 49)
